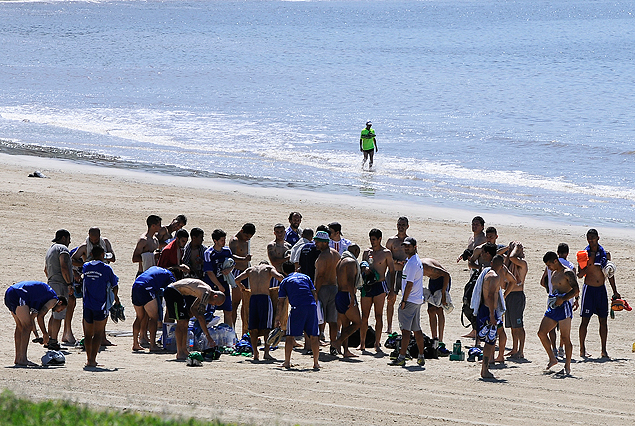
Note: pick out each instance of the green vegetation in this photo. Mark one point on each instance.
(22, 412)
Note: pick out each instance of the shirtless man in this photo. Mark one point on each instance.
(82, 254)
(278, 251)
(28, 300)
(260, 306)
(187, 298)
(594, 297)
(515, 298)
(239, 245)
(438, 293)
(488, 317)
(348, 277)
(326, 283)
(147, 245)
(559, 311)
(380, 260)
(394, 244)
(477, 238)
(164, 235)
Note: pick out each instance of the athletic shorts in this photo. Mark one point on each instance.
(303, 319)
(515, 302)
(482, 320)
(410, 317)
(260, 312)
(326, 296)
(60, 290)
(342, 301)
(375, 289)
(13, 299)
(236, 272)
(369, 151)
(92, 315)
(141, 296)
(227, 305)
(178, 306)
(561, 312)
(594, 301)
(436, 284)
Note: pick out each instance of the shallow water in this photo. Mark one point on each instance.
(520, 107)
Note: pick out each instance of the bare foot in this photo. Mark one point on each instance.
(605, 355)
(316, 366)
(510, 353)
(182, 357)
(25, 363)
(584, 353)
(516, 355)
(296, 344)
(552, 362)
(471, 334)
(137, 348)
(107, 342)
(144, 343)
(287, 366)
(500, 358)
(487, 375)
(69, 339)
(269, 357)
(349, 354)
(155, 349)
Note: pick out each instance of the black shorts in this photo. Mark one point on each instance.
(178, 306)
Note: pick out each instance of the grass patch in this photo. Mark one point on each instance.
(22, 412)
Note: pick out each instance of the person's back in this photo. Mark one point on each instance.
(35, 294)
(308, 255)
(259, 278)
(298, 288)
(154, 278)
(97, 278)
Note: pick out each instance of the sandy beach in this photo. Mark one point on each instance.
(361, 391)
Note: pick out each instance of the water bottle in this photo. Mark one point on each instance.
(190, 339)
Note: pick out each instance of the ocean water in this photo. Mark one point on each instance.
(521, 107)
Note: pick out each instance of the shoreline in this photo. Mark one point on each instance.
(416, 210)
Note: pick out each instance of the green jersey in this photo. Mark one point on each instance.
(368, 139)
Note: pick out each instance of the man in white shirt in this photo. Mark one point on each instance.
(338, 242)
(409, 312)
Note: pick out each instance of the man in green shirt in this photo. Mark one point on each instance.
(368, 144)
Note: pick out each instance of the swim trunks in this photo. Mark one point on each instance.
(483, 321)
(559, 313)
(178, 306)
(236, 272)
(260, 312)
(515, 303)
(92, 315)
(437, 284)
(141, 296)
(227, 305)
(303, 319)
(375, 289)
(326, 297)
(594, 301)
(410, 317)
(342, 301)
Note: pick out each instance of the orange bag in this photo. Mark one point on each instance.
(583, 258)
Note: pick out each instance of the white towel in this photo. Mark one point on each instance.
(89, 248)
(229, 278)
(478, 293)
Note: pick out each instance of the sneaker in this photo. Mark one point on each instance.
(421, 361)
(492, 333)
(482, 333)
(443, 351)
(400, 362)
(394, 354)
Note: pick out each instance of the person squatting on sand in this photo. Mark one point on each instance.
(559, 310)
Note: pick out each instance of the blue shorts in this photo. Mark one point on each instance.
(483, 320)
(227, 305)
(437, 284)
(376, 289)
(13, 299)
(303, 319)
(274, 283)
(594, 301)
(92, 315)
(260, 312)
(141, 296)
(561, 312)
(342, 301)
(236, 272)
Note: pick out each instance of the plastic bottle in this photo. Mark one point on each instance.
(190, 339)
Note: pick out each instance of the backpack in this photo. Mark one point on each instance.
(354, 339)
(466, 310)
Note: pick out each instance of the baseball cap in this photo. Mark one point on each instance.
(61, 233)
(369, 123)
(410, 241)
(321, 236)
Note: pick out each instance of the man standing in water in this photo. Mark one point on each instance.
(368, 144)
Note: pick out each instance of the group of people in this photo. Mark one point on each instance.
(310, 280)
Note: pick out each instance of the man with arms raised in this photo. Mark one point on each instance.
(379, 259)
(394, 244)
(188, 298)
(147, 244)
(559, 311)
(239, 245)
(326, 283)
(28, 300)
(299, 289)
(260, 306)
(515, 298)
(58, 269)
(145, 291)
(409, 311)
(348, 279)
(164, 235)
(594, 296)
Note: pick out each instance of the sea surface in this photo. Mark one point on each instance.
(522, 107)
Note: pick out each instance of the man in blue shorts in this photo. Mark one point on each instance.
(99, 282)
(559, 311)
(146, 291)
(348, 278)
(594, 296)
(214, 274)
(27, 300)
(299, 289)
